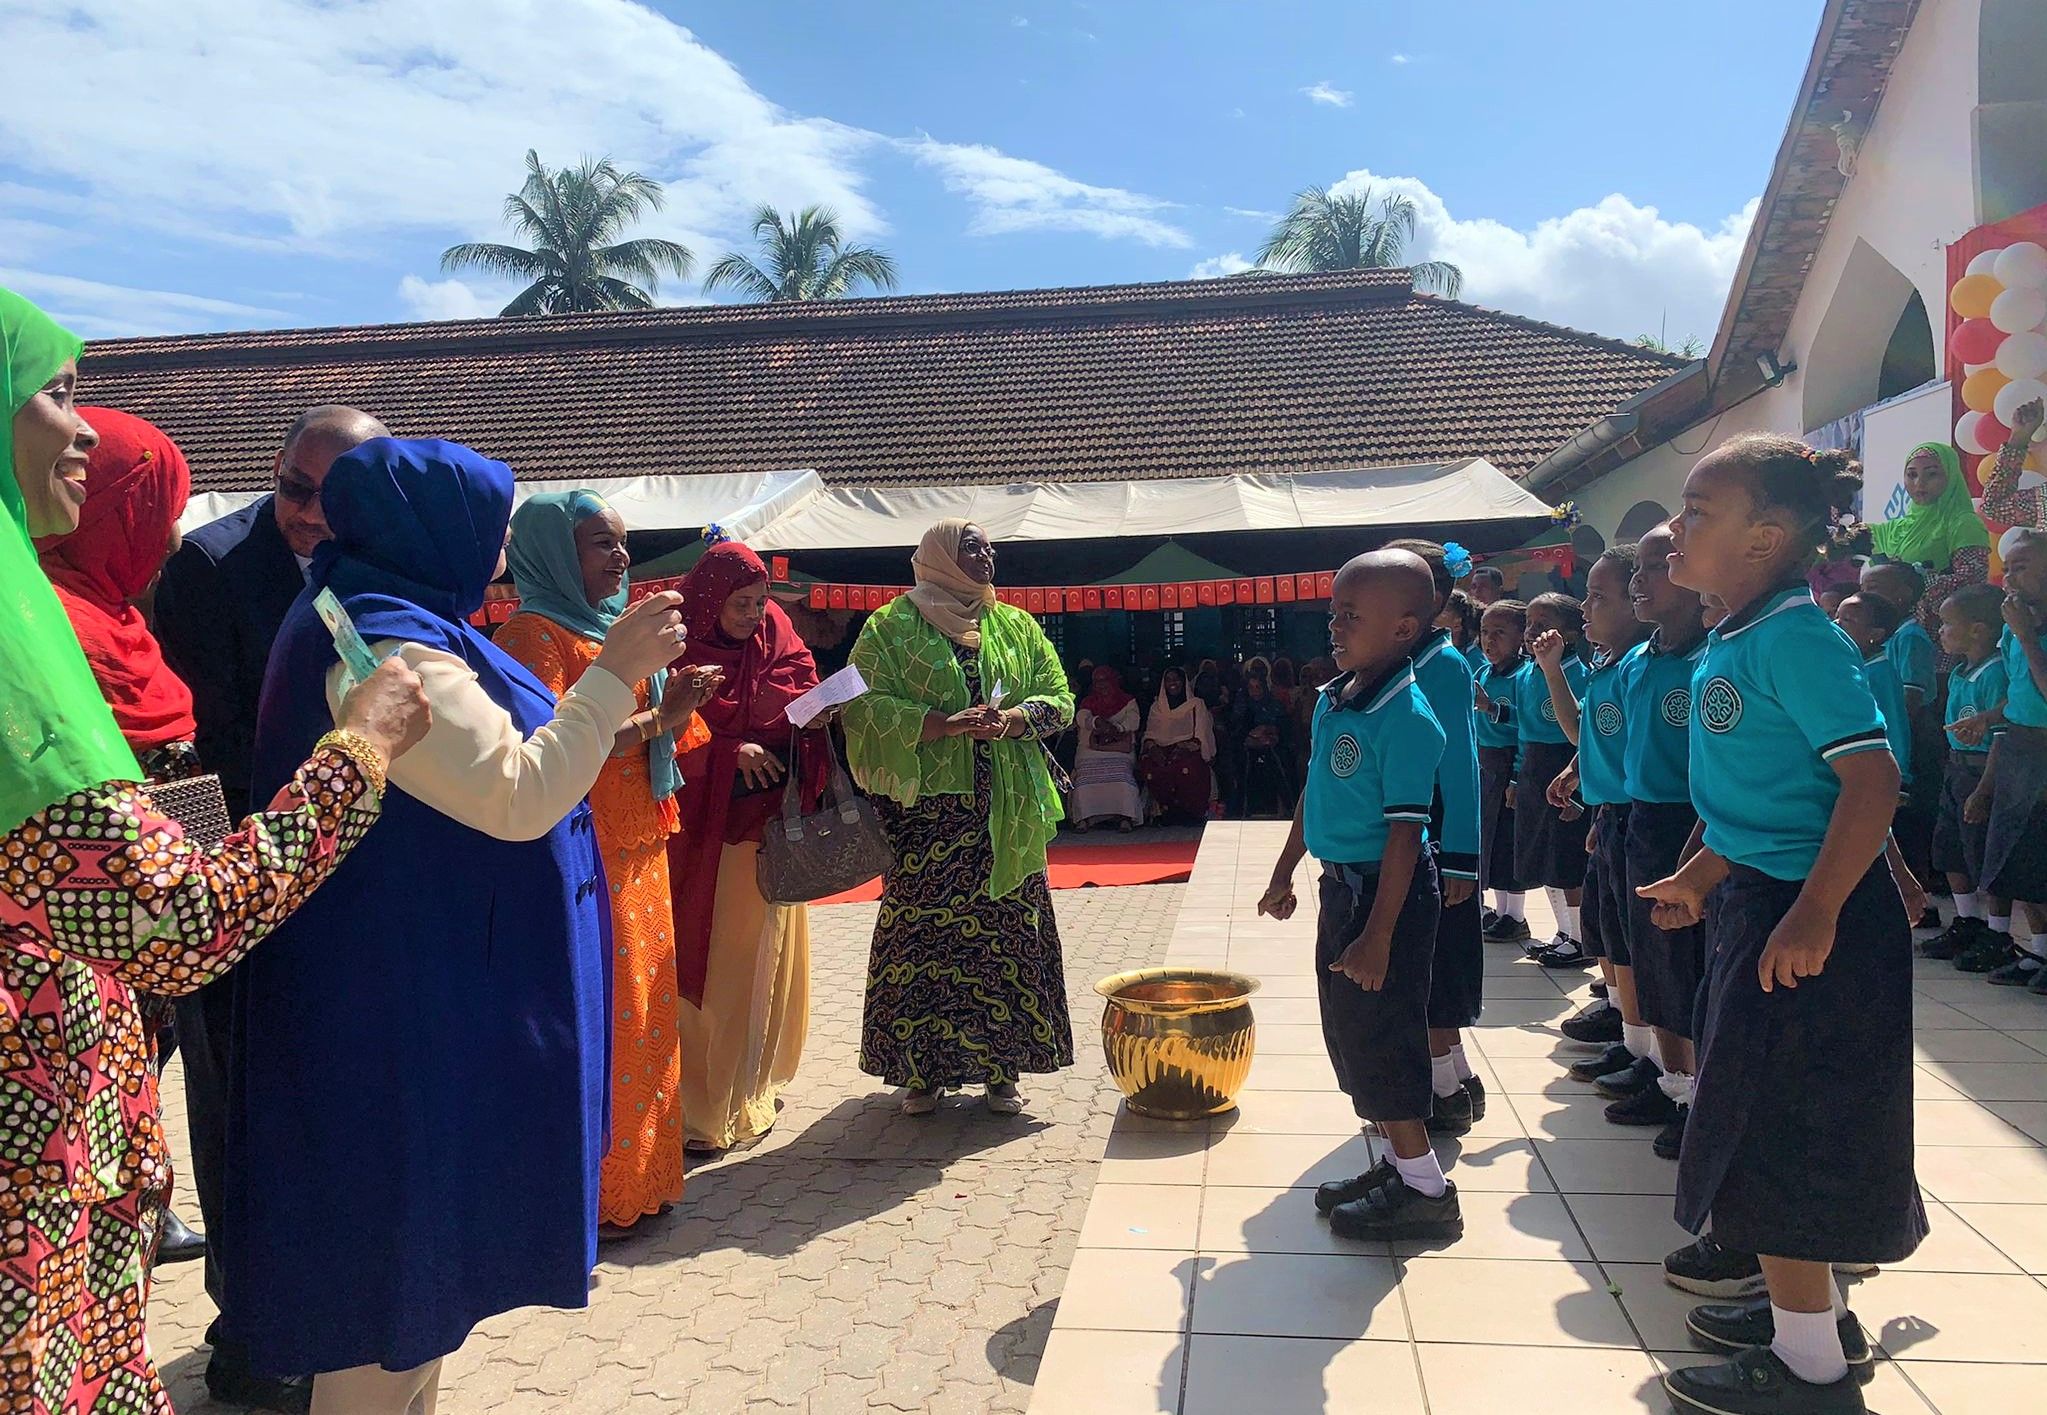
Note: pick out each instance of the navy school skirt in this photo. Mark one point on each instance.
(1669, 963)
(1603, 916)
(1549, 851)
(1457, 974)
(1800, 1138)
(1958, 845)
(1496, 821)
(1378, 1041)
(2015, 843)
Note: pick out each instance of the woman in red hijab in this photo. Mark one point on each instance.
(744, 963)
(136, 486)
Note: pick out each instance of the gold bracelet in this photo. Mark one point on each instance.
(358, 749)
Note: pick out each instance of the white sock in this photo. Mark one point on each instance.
(1514, 905)
(1676, 1085)
(1809, 1343)
(2000, 923)
(2037, 946)
(1424, 1175)
(1638, 1039)
(1840, 1301)
(1464, 1071)
(1443, 1075)
(1567, 921)
(1967, 906)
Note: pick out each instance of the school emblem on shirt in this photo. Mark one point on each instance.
(1677, 706)
(1719, 706)
(1343, 757)
(1549, 711)
(1607, 719)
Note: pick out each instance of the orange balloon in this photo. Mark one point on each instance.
(1984, 467)
(1972, 295)
(1979, 389)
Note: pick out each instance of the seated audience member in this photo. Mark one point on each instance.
(1104, 771)
(1179, 746)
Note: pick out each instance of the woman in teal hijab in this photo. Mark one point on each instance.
(146, 911)
(568, 560)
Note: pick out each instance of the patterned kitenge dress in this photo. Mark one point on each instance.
(962, 989)
(101, 897)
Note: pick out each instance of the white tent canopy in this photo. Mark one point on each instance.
(796, 510)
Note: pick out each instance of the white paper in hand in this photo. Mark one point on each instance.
(841, 687)
(995, 694)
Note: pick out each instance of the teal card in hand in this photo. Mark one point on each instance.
(356, 659)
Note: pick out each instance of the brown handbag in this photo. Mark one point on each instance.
(837, 847)
(196, 803)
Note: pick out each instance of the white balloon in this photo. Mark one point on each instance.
(2018, 310)
(2022, 264)
(2019, 390)
(1968, 369)
(1967, 437)
(2023, 356)
(1985, 263)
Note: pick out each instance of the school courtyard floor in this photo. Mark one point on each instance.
(1082, 1261)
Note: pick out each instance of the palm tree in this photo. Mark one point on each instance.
(1691, 348)
(574, 217)
(1325, 232)
(804, 260)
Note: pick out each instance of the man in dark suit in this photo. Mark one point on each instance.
(218, 606)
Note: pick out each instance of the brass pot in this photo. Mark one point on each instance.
(1178, 1040)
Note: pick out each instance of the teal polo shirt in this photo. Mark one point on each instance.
(1534, 716)
(1603, 729)
(1974, 690)
(1657, 698)
(1889, 691)
(2025, 704)
(1373, 760)
(1475, 657)
(1445, 680)
(1777, 698)
(1910, 651)
(1499, 686)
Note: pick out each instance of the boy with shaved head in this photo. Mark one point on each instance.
(1363, 814)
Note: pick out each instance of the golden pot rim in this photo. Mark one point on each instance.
(1112, 985)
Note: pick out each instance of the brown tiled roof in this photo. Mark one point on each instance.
(1186, 378)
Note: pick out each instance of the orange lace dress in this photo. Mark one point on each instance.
(643, 1168)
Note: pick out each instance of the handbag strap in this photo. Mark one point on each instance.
(838, 787)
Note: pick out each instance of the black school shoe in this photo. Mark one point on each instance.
(1563, 952)
(1615, 1058)
(1639, 1075)
(1343, 1191)
(1487, 917)
(1597, 1023)
(1757, 1383)
(1451, 1114)
(1392, 1212)
(2019, 973)
(1988, 951)
(1951, 940)
(1475, 1088)
(1505, 930)
(1670, 1140)
(1710, 1270)
(1736, 1326)
(1648, 1106)
(1929, 918)
(2038, 987)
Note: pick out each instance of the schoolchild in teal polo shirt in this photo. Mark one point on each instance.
(1500, 633)
(1910, 652)
(1363, 813)
(1549, 840)
(1970, 621)
(2015, 841)
(1799, 1143)
(1869, 622)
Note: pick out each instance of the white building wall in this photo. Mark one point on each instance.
(1911, 196)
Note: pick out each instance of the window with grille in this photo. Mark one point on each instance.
(1260, 634)
(1054, 626)
(1173, 635)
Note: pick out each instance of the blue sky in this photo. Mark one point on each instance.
(222, 164)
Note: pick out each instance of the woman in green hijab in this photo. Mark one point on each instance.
(1940, 531)
(87, 1167)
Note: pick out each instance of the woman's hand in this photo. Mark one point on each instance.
(2026, 419)
(688, 689)
(980, 722)
(997, 723)
(388, 709)
(646, 637)
(760, 767)
(1548, 649)
(1798, 947)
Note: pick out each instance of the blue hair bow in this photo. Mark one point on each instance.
(1456, 559)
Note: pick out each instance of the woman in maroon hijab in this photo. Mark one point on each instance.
(744, 962)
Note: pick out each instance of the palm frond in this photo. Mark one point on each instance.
(855, 264)
(620, 295)
(505, 262)
(736, 272)
(531, 300)
(1438, 275)
(644, 258)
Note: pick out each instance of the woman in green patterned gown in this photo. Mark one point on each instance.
(965, 983)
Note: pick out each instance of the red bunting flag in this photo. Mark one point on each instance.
(1112, 597)
(778, 569)
(1283, 587)
(1265, 590)
(1034, 600)
(817, 597)
(1091, 598)
(1150, 598)
(1325, 583)
(836, 597)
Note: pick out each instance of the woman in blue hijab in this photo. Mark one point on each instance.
(420, 1092)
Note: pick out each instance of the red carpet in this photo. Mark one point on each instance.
(1078, 861)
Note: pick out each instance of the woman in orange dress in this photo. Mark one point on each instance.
(568, 559)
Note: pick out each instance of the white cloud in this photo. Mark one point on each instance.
(1324, 92)
(1017, 194)
(1228, 263)
(449, 299)
(97, 310)
(1252, 213)
(1400, 58)
(1019, 22)
(1615, 267)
